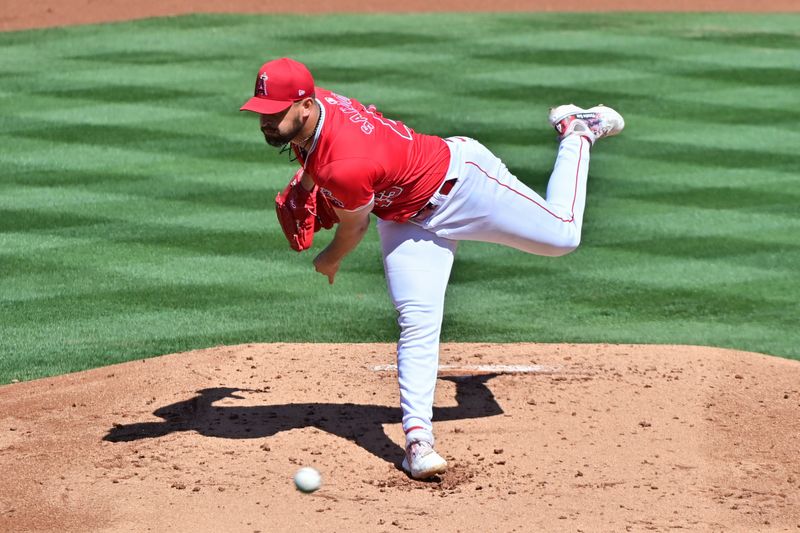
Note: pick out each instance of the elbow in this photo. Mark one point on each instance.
(354, 227)
(360, 228)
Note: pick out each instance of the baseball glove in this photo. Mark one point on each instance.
(302, 213)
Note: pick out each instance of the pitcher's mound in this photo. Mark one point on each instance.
(538, 437)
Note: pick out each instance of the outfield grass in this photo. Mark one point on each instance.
(136, 212)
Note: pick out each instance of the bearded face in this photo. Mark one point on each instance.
(281, 128)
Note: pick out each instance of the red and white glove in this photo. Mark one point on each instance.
(301, 213)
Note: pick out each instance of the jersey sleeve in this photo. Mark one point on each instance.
(349, 183)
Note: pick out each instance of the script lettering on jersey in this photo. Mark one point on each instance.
(398, 127)
(331, 198)
(357, 116)
(385, 197)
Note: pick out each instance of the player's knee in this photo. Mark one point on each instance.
(419, 320)
(566, 245)
(560, 252)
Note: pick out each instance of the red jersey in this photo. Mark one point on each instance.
(358, 156)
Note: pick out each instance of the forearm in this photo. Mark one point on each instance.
(352, 227)
(347, 237)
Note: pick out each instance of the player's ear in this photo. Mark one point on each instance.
(308, 105)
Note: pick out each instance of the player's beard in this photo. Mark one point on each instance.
(279, 139)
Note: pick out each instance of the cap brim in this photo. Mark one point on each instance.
(265, 106)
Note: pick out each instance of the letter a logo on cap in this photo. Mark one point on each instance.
(261, 85)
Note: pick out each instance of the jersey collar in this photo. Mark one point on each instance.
(318, 132)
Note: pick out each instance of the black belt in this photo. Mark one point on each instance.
(444, 190)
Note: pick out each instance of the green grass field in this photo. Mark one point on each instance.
(136, 202)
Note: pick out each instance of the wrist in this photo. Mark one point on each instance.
(307, 182)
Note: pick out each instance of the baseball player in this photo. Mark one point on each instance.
(428, 193)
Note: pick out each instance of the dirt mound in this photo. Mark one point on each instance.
(596, 438)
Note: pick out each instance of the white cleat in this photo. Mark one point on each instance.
(593, 123)
(422, 461)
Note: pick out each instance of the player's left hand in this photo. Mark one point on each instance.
(303, 212)
(325, 266)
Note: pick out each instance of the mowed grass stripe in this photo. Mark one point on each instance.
(195, 145)
(137, 201)
(752, 198)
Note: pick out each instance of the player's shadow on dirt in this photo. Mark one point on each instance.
(361, 424)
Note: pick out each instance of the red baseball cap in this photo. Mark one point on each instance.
(279, 83)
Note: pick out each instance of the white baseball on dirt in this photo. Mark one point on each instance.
(307, 479)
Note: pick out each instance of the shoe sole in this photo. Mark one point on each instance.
(425, 474)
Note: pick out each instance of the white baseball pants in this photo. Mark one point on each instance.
(487, 204)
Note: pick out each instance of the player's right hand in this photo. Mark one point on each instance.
(326, 267)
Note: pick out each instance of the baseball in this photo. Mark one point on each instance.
(307, 479)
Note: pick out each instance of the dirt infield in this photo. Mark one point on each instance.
(604, 438)
(21, 14)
